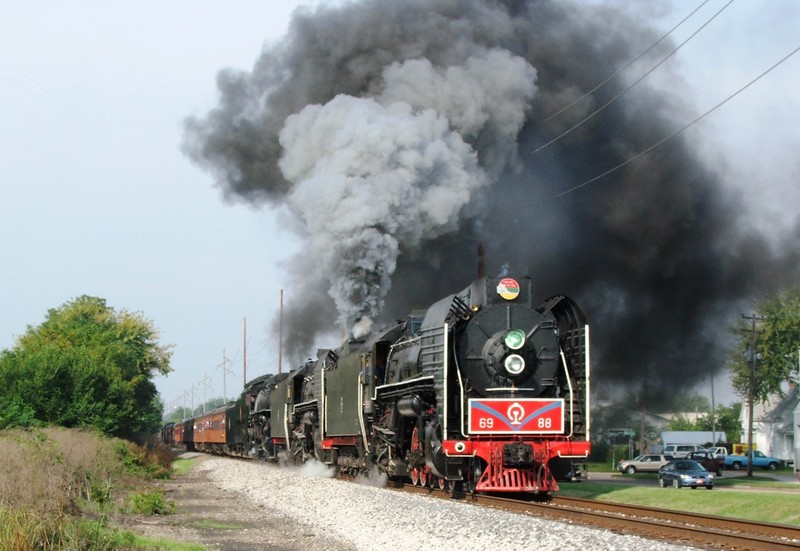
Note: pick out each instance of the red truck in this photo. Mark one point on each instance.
(707, 459)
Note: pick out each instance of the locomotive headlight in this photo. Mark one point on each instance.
(514, 364)
(514, 339)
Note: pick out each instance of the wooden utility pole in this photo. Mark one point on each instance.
(244, 354)
(280, 336)
(751, 392)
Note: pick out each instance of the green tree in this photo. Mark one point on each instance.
(728, 421)
(86, 365)
(681, 423)
(776, 350)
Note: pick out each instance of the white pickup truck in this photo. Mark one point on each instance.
(719, 451)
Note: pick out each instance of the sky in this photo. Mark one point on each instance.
(97, 198)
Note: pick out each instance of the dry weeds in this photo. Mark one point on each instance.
(59, 486)
(49, 470)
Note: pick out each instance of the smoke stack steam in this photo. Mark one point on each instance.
(399, 137)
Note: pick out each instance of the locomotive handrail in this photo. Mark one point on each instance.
(305, 406)
(571, 394)
(396, 389)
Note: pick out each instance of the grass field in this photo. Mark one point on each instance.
(760, 498)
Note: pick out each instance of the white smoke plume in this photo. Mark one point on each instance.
(374, 177)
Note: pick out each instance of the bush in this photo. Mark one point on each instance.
(151, 503)
(25, 530)
(600, 452)
(153, 461)
(14, 412)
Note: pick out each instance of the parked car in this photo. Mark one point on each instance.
(685, 472)
(737, 462)
(645, 463)
(680, 450)
(708, 461)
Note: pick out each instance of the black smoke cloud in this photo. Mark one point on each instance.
(399, 135)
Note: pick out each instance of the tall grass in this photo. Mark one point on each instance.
(59, 487)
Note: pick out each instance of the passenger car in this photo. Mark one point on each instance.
(644, 463)
(684, 472)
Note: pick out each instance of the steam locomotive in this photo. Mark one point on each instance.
(481, 391)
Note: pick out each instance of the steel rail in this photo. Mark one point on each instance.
(705, 531)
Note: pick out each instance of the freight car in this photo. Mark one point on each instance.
(482, 390)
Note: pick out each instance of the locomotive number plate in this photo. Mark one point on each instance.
(523, 416)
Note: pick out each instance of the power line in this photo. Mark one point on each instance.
(637, 81)
(640, 56)
(684, 127)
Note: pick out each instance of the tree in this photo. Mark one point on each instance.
(681, 423)
(728, 421)
(775, 357)
(86, 365)
(693, 402)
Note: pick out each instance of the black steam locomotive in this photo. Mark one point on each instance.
(482, 391)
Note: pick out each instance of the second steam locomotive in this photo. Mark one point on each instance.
(482, 391)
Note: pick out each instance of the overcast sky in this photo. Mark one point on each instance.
(96, 197)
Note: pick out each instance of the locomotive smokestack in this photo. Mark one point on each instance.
(481, 260)
(395, 150)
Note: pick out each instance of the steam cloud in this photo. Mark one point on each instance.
(398, 135)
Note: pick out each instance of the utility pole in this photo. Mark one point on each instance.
(225, 370)
(244, 353)
(184, 397)
(643, 408)
(280, 336)
(205, 382)
(186, 403)
(713, 412)
(752, 391)
(193, 387)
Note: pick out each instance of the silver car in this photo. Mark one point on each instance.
(645, 463)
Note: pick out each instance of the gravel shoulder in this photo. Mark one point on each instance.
(218, 518)
(231, 504)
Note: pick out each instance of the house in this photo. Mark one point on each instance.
(796, 424)
(775, 426)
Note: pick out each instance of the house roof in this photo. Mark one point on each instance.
(784, 406)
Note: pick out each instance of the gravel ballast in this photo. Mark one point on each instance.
(365, 516)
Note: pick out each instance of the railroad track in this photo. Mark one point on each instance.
(704, 531)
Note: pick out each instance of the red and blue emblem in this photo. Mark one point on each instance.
(522, 416)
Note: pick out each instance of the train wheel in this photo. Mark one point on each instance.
(474, 476)
(441, 483)
(432, 480)
(419, 475)
(451, 485)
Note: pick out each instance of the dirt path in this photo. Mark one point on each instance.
(222, 519)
